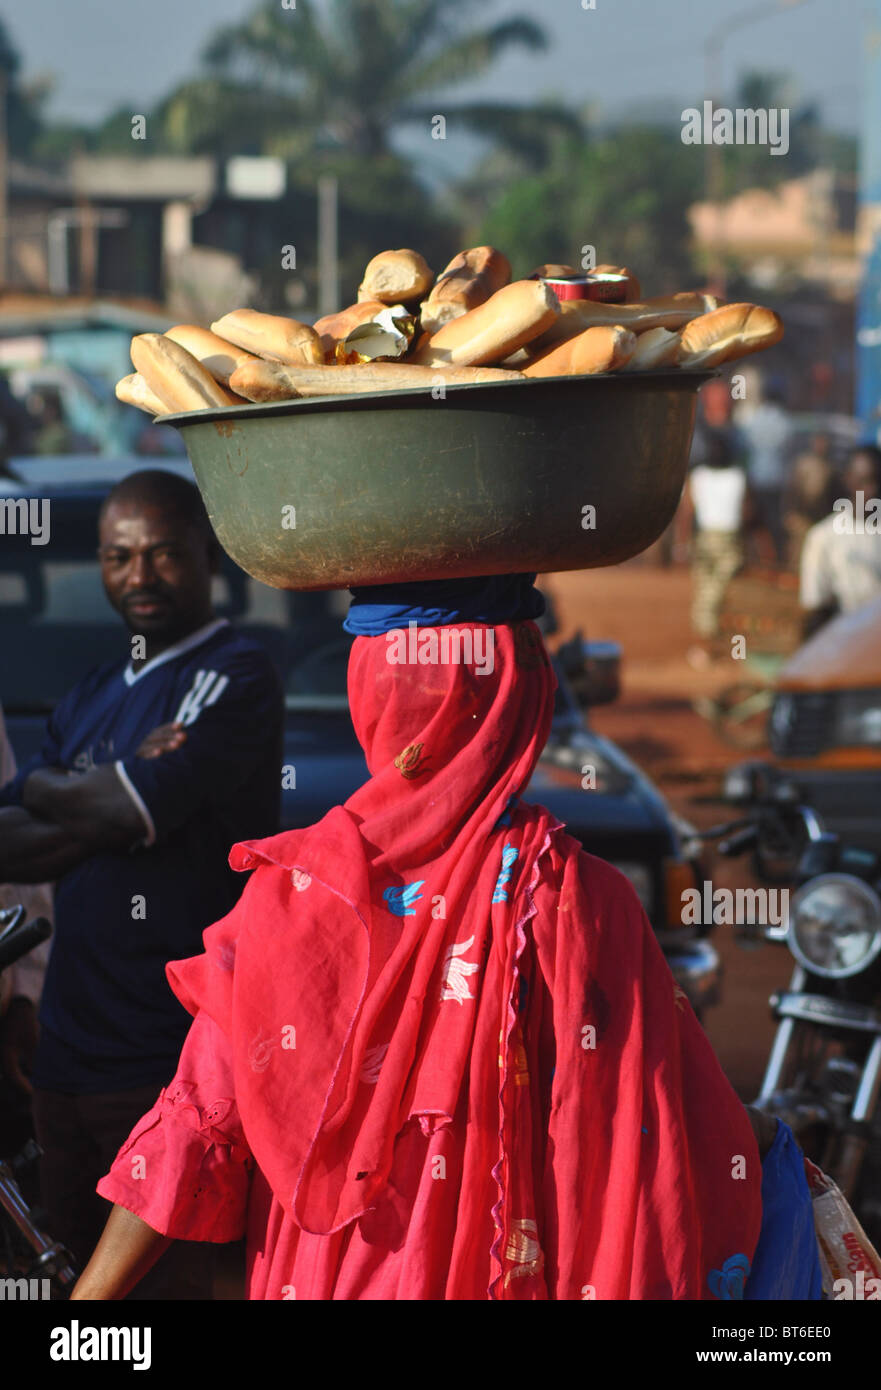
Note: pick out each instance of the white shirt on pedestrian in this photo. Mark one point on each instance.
(718, 496)
(839, 566)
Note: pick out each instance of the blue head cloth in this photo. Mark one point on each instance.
(500, 598)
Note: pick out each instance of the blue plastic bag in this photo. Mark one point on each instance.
(786, 1263)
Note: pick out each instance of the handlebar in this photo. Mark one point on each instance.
(17, 936)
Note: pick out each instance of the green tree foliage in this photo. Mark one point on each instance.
(625, 193)
(23, 119)
(292, 81)
(751, 166)
(328, 91)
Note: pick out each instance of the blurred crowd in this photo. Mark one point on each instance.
(771, 490)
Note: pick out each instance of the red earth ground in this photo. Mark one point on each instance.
(645, 607)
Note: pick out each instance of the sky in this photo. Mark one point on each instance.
(619, 56)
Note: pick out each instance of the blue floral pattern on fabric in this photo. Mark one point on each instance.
(398, 900)
(729, 1282)
(500, 894)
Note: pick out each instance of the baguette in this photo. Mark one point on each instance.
(335, 328)
(687, 299)
(736, 330)
(656, 348)
(396, 277)
(514, 315)
(217, 356)
(273, 338)
(551, 270)
(270, 381)
(595, 350)
(469, 279)
(133, 390)
(576, 315)
(174, 375)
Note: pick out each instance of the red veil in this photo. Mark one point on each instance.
(438, 959)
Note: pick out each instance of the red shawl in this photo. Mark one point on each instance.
(432, 953)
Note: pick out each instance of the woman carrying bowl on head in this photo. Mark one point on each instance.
(436, 1051)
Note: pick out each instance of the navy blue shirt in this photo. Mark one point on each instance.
(109, 1020)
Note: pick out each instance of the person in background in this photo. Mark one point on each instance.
(16, 424)
(841, 556)
(21, 985)
(763, 424)
(151, 768)
(718, 501)
(810, 491)
(714, 415)
(52, 435)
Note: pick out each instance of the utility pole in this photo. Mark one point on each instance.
(4, 178)
(328, 257)
(713, 165)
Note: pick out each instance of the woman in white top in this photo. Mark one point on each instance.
(718, 497)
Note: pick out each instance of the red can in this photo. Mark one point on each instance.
(609, 289)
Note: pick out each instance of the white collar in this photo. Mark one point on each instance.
(186, 644)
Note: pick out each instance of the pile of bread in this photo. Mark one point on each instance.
(410, 329)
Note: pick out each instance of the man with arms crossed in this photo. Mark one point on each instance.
(152, 768)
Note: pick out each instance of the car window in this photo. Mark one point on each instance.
(56, 623)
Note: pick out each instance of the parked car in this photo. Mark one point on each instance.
(825, 725)
(61, 363)
(55, 623)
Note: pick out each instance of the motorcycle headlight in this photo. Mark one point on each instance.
(858, 719)
(835, 926)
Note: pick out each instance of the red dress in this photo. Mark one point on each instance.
(437, 1052)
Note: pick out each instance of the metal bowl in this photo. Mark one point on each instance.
(334, 491)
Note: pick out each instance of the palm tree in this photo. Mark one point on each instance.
(292, 82)
(22, 103)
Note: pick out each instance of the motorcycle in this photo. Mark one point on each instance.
(823, 1075)
(34, 1265)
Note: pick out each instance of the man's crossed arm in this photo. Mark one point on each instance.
(65, 817)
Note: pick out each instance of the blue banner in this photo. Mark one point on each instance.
(868, 354)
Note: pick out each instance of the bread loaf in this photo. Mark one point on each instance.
(596, 350)
(133, 390)
(470, 279)
(554, 271)
(735, 330)
(514, 315)
(396, 277)
(174, 375)
(217, 356)
(657, 348)
(686, 299)
(269, 381)
(334, 328)
(576, 315)
(271, 337)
